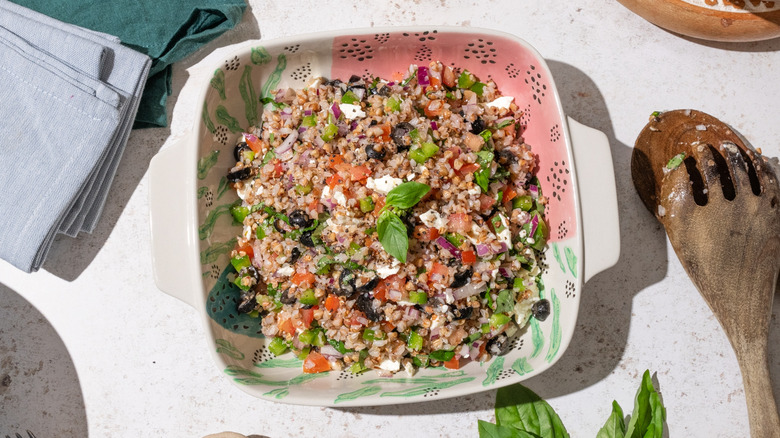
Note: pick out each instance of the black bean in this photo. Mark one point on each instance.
(541, 309)
(368, 287)
(365, 303)
(371, 152)
(240, 174)
(462, 278)
(306, 239)
(295, 254)
(240, 147)
(499, 345)
(300, 219)
(506, 157)
(400, 135)
(347, 285)
(286, 298)
(477, 126)
(463, 313)
(247, 303)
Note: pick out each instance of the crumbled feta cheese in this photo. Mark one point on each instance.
(351, 111)
(247, 233)
(390, 365)
(474, 191)
(505, 235)
(286, 270)
(340, 198)
(325, 192)
(409, 369)
(246, 189)
(436, 321)
(501, 102)
(384, 184)
(385, 271)
(432, 219)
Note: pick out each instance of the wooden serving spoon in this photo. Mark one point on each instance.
(719, 202)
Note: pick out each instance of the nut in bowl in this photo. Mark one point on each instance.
(262, 286)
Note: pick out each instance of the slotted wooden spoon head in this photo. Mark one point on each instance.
(719, 202)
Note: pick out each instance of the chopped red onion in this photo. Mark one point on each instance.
(336, 110)
(464, 351)
(474, 350)
(412, 312)
(390, 84)
(534, 224)
(353, 125)
(422, 76)
(330, 352)
(434, 126)
(435, 333)
(444, 243)
(287, 144)
(394, 295)
(298, 344)
(279, 95)
(301, 129)
(504, 272)
(307, 113)
(534, 191)
(343, 129)
(501, 247)
(319, 141)
(249, 137)
(483, 250)
(469, 290)
(359, 92)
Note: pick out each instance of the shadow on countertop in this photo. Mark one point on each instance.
(142, 146)
(39, 387)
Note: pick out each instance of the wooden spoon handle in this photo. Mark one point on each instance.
(762, 409)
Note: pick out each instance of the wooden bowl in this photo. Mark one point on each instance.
(714, 20)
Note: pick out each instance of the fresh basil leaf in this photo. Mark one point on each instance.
(505, 301)
(615, 427)
(270, 155)
(490, 430)
(649, 413)
(406, 195)
(519, 407)
(392, 235)
(482, 179)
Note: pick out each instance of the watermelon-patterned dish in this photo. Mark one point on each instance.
(198, 244)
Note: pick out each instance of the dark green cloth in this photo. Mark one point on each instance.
(166, 30)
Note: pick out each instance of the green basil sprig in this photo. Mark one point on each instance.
(522, 413)
(390, 228)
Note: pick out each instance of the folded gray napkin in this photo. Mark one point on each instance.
(68, 97)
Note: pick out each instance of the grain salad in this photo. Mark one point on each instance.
(389, 224)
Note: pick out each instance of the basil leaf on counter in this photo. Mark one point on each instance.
(490, 430)
(406, 195)
(615, 427)
(519, 407)
(649, 414)
(392, 235)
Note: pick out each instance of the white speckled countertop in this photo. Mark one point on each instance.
(89, 345)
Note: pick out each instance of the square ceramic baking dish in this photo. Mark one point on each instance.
(193, 231)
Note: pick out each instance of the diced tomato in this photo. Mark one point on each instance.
(386, 129)
(287, 327)
(254, 143)
(435, 83)
(380, 292)
(510, 129)
(332, 303)
(468, 168)
(486, 202)
(357, 318)
(335, 160)
(468, 257)
(460, 222)
(425, 234)
(246, 249)
(278, 168)
(334, 181)
(303, 279)
(359, 173)
(314, 205)
(448, 77)
(315, 363)
(438, 273)
(509, 194)
(434, 108)
(378, 204)
(453, 363)
(307, 316)
(387, 326)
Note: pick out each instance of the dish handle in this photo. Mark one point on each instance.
(598, 198)
(171, 207)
